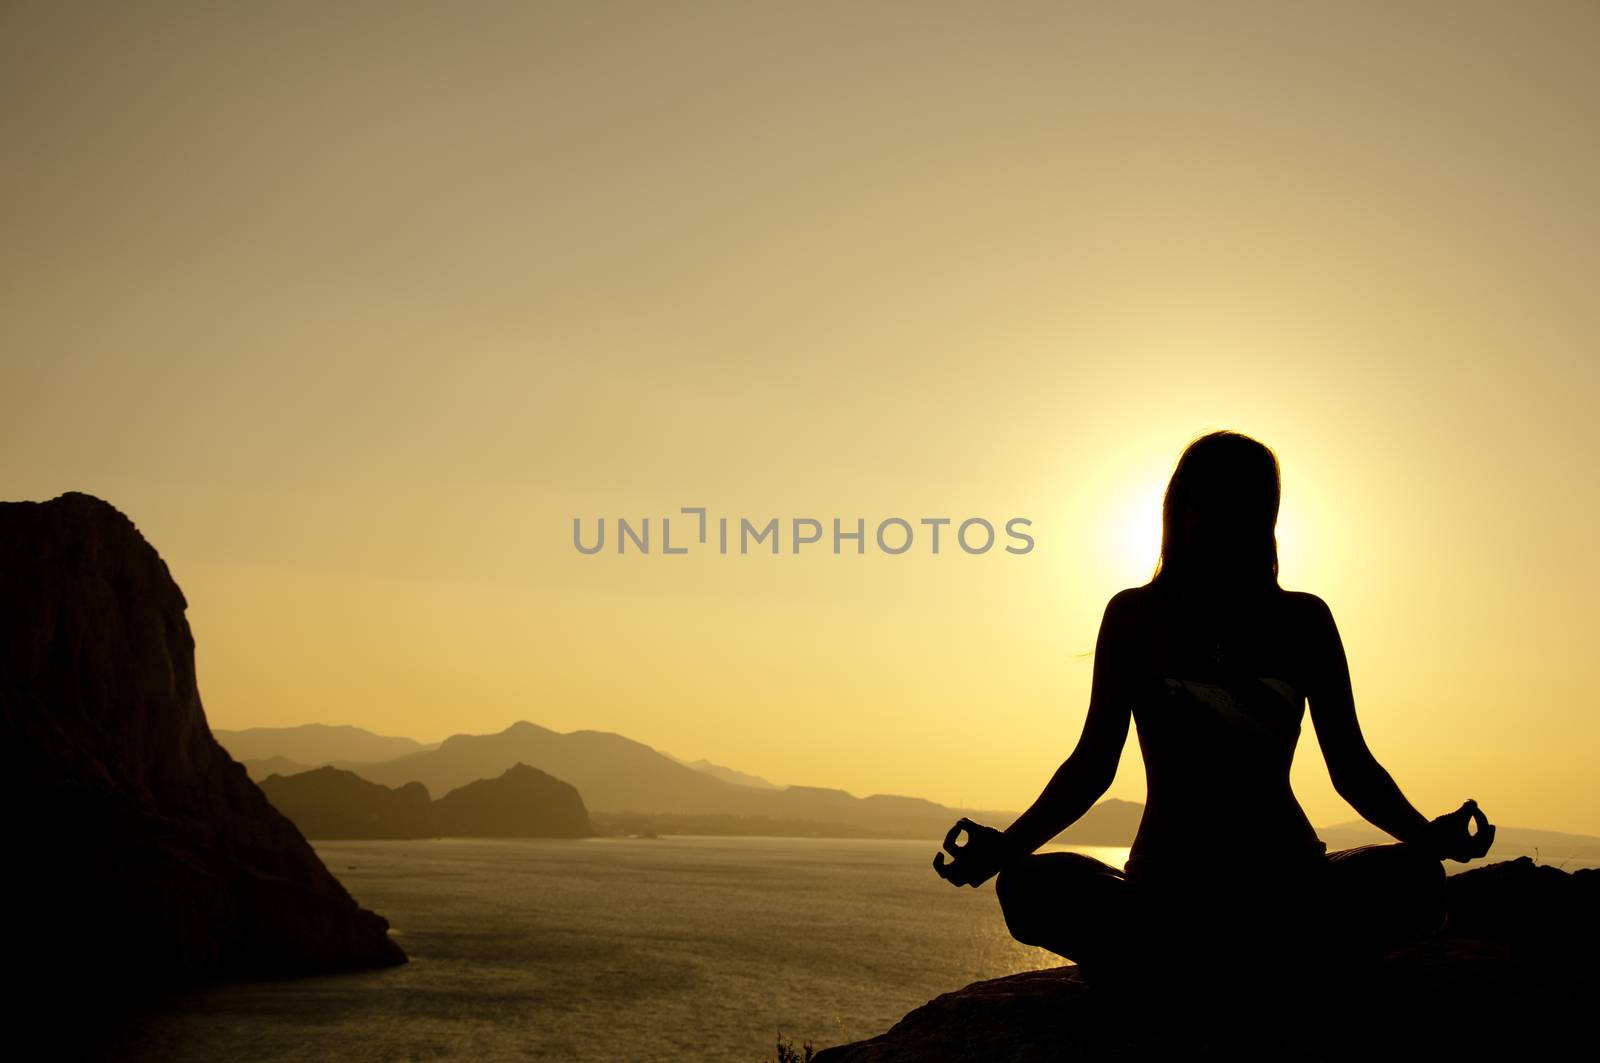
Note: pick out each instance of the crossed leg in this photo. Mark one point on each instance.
(1357, 903)
(1379, 897)
(1070, 903)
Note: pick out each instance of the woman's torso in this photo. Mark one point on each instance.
(1217, 695)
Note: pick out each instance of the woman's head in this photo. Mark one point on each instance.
(1220, 514)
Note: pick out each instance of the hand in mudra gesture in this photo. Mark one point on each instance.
(1449, 837)
(979, 859)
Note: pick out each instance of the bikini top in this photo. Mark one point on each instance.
(1263, 707)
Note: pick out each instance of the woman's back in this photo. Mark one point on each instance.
(1217, 689)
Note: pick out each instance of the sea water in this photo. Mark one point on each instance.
(637, 949)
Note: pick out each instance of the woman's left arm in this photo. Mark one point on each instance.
(1356, 773)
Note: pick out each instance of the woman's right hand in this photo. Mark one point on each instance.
(985, 852)
(1448, 837)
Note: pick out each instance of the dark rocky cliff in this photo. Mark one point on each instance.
(141, 855)
(1512, 976)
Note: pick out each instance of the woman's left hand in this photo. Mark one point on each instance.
(1450, 836)
(979, 859)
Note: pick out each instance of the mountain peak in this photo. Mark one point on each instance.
(525, 727)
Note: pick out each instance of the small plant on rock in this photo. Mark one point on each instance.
(788, 1053)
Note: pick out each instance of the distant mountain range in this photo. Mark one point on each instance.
(314, 744)
(629, 786)
(617, 774)
(619, 777)
(738, 778)
(260, 769)
(1545, 846)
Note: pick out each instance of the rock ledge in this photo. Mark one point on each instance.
(1514, 971)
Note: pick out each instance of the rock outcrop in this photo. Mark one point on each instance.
(332, 803)
(141, 854)
(522, 802)
(1512, 974)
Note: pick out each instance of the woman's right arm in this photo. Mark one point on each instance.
(1355, 772)
(1085, 775)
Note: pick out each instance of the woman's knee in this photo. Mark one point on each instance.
(1395, 861)
(1057, 869)
(1038, 893)
(1007, 887)
(1020, 887)
(1419, 871)
(1427, 876)
(1017, 890)
(1390, 888)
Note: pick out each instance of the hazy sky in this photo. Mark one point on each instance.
(352, 308)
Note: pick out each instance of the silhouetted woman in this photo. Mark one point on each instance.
(1213, 661)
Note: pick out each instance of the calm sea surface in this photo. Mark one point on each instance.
(677, 948)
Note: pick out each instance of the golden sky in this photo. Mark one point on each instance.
(354, 307)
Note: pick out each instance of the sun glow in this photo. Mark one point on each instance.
(1289, 543)
(1132, 538)
(1136, 533)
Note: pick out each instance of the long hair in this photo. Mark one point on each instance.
(1229, 485)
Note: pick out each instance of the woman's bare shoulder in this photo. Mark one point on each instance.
(1123, 611)
(1307, 606)
(1128, 601)
(1311, 622)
